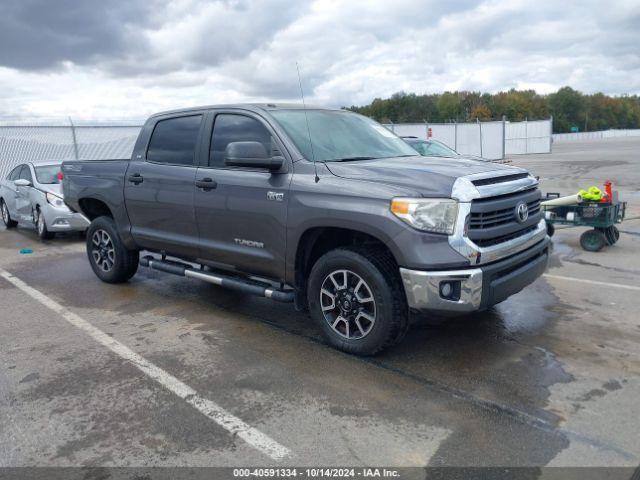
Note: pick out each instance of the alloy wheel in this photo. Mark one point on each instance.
(39, 222)
(5, 213)
(347, 304)
(103, 251)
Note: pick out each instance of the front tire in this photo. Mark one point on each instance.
(6, 217)
(41, 226)
(110, 260)
(356, 297)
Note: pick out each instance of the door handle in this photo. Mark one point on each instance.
(135, 178)
(206, 184)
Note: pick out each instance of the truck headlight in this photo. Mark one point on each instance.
(54, 200)
(436, 215)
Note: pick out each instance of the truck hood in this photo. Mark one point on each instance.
(429, 176)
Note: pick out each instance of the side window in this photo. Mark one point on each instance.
(229, 128)
(174, 140)
(25, 173)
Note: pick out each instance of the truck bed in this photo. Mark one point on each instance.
(99, 179)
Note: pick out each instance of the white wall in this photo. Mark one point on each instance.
(491, 140)
(528, 137)
(572, 137)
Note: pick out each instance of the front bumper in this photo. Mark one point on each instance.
(63, 219)
(475, 288)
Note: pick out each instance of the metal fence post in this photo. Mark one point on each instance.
(504, 136)
(455, 136)
(479, 133)
(75, 141)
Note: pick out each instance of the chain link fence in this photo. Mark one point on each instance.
(42, 143)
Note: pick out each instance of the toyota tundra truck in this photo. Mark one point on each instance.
(319, 207)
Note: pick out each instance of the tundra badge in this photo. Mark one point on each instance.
(275, 196)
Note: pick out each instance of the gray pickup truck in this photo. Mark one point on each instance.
(323, 208)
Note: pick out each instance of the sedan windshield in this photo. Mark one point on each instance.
(48, 174)
(337, 135)
(435, 149)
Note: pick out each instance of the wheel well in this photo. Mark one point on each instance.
(315, 242)
(92, 208)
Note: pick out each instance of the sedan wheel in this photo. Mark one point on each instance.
(5, 213)
(40, 222)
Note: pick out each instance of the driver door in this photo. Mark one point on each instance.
(242, 216)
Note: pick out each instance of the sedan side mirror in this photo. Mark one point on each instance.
(21, 182)
(252, 155)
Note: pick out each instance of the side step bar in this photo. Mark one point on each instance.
(186, 270)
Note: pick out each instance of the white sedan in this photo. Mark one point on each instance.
(33, 194)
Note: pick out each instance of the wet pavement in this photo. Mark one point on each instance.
(549, 377)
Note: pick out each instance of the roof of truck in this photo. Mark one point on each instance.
(248, 106)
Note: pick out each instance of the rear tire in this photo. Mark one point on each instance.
(6, 217)
(41, 226)
(110, 260)
(356, 297)
(593, 240)
(611, 234)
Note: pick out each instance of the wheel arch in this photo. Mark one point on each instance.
(93, 208)
(316, 241)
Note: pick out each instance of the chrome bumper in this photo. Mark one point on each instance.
(475, 288)
(423, 289)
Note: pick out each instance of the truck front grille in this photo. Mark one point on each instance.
(493, 220)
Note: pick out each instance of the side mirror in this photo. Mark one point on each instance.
(252, 155)
(21, 182)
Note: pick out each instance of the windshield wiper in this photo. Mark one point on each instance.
(352, 159)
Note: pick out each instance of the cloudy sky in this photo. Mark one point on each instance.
(111, 60)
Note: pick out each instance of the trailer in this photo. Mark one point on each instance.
(602, 217)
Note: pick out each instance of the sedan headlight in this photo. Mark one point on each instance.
(55, 200)
(436, 215)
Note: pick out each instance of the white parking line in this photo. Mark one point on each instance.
(593, 282)
(213, 411)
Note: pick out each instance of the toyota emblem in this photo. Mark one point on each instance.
(522, 212)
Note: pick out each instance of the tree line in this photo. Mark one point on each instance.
(571, 109)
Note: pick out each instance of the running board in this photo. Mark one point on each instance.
(186, 270)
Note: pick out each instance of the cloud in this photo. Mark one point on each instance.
(107, 59)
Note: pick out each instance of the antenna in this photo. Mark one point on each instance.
(304, 106)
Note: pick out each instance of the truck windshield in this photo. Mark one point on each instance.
(338, 135)
(48, 174)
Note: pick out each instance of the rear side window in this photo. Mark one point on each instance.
(174, 140)
(236, 128)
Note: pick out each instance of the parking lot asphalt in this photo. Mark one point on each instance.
(549, 377)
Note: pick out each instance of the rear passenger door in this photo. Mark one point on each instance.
(10, 191)
(159, 187)
(242, 220)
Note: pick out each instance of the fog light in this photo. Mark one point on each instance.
(450, 290)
